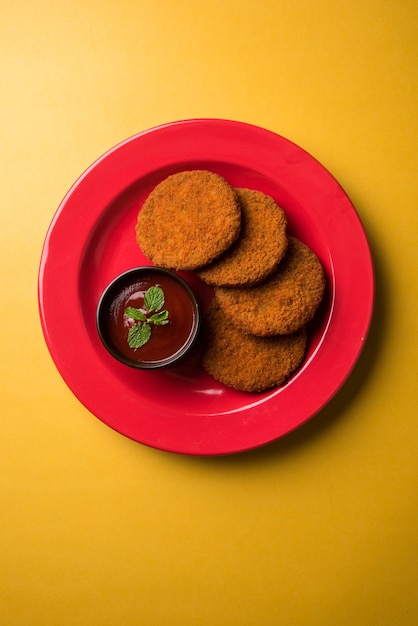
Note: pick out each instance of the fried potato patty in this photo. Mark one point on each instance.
(285, 301)
(246, 362)
(189, 219)
(261, 245)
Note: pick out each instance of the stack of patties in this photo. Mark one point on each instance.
(267, 285)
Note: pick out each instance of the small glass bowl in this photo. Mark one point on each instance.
(168, 344)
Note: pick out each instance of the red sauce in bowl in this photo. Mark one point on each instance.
(168, 343)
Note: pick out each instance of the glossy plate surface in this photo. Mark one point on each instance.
(92, 239)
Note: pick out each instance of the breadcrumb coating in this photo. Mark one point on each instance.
(285, 301)
(246, 362)
(261, 245)
(189, 219)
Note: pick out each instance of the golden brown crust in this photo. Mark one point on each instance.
(261, 245)
(189, 219)
(285, 301)
(246, 362)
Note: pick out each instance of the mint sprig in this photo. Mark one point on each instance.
(140, 332)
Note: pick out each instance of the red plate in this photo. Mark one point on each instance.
(92, 239)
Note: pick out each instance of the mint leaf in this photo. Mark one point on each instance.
(135, 314)
(159, 319)
(154, 299)
(138, 335)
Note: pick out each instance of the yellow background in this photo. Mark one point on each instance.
(319, 528)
